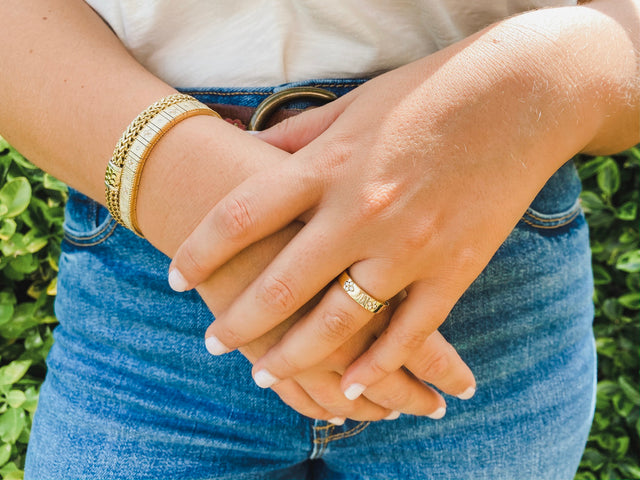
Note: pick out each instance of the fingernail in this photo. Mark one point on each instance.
(264, 378)
(438, 414)
(253, 132)
(215, 346)
(176, 281)
(392, 416)
(354, 390)
(467, 394)
(336, 421)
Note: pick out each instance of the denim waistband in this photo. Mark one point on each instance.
(251, 97)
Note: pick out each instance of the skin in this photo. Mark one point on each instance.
(77, 92)
(413, 180)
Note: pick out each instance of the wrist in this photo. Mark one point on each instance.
(192, 167)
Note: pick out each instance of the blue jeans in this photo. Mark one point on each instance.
(131, 391)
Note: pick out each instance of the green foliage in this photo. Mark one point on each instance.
(31, 210)
(610, 200)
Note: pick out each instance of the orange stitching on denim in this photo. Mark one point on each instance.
(573, 211)
(349, 433)
(549, 227)
(73, 239)
(99, 232)
(324, 427)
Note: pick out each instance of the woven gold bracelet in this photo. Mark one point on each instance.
(125, 168)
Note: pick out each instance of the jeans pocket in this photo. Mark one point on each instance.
(557, 206)
(86, 222)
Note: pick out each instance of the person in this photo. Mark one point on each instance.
(441, 185)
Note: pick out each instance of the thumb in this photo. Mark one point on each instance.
(294, 133)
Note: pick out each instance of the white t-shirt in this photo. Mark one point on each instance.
(239, 43)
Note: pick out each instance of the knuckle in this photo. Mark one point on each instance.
(288, 365)
(235, 220)
(189, 261)
(326, 397)
(436, 364)
(229, 337)
(336, 324)
(378, 199)
(379, 369)
(394, 398)
(299, 401)
(276, 295)
(419, 236)
(409, 340)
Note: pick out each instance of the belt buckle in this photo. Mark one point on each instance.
(274, 101)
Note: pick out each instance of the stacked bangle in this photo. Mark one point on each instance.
(125, 167)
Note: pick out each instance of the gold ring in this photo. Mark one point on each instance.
(361, 297)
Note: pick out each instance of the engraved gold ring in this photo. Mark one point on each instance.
(359, 295)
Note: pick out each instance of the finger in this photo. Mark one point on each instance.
(296, 132)
(291, 393)
(415, 319)
(438, 363)
(324, 389)
(301, 269)
(261, 205)
(402, 393)
(331, 323)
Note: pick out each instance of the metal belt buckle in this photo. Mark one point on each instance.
(273, 102)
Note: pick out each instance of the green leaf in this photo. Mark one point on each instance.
(26, 263)
(629, 261)
(591, 202)
(627, 211)
(591, 167)
(630, 300)
(629, 390)
(629, 470)
(15, 398)
(608, 348)
(10, 374)
(11, 424)
(31, 401)
(52, 183)
(15, 475)
(5, 453)
(593, 459)
(609, 177)
(633, 282)
(15, 195)
(628, 236)
(611, 308)
(601, 275)
(7, 228)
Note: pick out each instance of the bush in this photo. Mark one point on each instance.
(610, 199)
(31, 211)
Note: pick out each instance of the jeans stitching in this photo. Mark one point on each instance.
(567, 220)
(78, 241)
(240, 92)
(349, 433)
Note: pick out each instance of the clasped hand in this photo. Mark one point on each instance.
(410, 182)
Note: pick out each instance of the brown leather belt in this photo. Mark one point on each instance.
(270, 111)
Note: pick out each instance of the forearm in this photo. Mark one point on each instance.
(69, 89)
(592, 56)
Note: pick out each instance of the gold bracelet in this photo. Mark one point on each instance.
(123, 171)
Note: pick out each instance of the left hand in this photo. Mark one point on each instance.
(413, 180)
